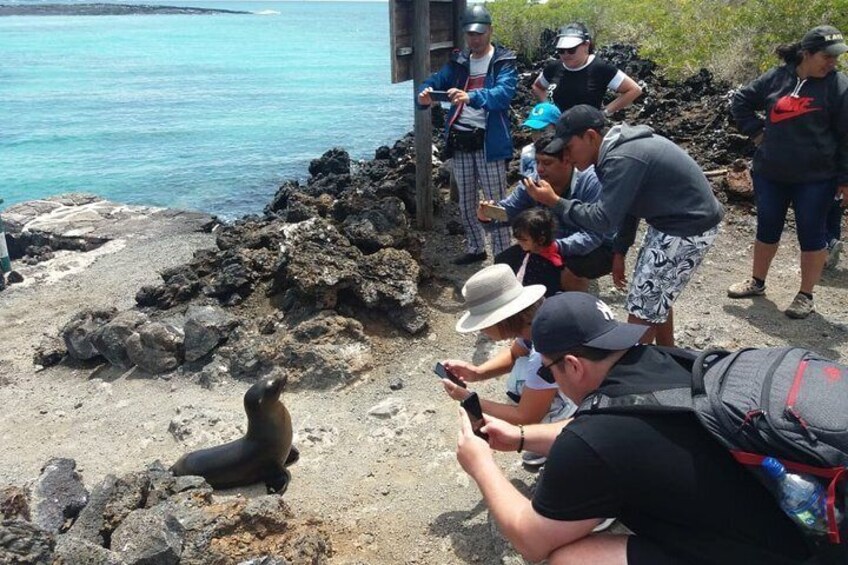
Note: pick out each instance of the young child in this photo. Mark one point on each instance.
(542, 118)
(539, 261)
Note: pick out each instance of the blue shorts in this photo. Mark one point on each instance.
(811, 201)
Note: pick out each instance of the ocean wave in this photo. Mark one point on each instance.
(267, 13)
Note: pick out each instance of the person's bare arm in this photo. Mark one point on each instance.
(533, 406)
(628, 91)
(533, 535)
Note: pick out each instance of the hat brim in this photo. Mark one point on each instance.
(622, 336)
(537, 124)
(476, 28)
(556, 145)
(836, 49)
(568, 41)
(529, 295)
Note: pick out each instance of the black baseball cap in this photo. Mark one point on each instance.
(575, 120)
(572, 35)
(476, 19)
(824, 38)
(571, 319)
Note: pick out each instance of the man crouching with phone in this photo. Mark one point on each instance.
(661, 474)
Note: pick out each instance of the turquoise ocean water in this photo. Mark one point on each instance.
(208, 112)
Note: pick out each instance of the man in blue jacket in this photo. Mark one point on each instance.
(480, 83)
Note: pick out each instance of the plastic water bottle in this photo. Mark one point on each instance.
(801, 496)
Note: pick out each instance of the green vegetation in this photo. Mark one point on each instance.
(735, 39)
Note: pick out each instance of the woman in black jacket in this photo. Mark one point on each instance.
(802, 155)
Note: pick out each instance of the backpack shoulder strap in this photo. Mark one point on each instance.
(653, 397)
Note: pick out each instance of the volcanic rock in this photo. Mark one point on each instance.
(149, 537)
(111, 338)
(24, 542)
(156, 347)
(71, 550)
(377, 225)
(205, 328)
(50, 351)
(57, 496)
(80, 329)
(336, 161)
(14, 503)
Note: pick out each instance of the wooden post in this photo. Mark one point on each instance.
(458, 32)
(423, 121)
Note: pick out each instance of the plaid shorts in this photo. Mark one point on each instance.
(664, 267)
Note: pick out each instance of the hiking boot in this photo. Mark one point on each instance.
(801, 307)
(834, 249)
(533, 459)
(470, 258)
(745, 289)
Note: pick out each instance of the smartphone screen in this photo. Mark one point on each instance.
(439, 96)
(443, 373)
(475, 414)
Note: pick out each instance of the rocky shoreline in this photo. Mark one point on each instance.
(95, 9)
(330, 285)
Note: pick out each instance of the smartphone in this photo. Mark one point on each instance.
(495, 212)
(443, 373)
(475, 414)
(439, 96)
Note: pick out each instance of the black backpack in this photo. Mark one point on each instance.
(788, 403)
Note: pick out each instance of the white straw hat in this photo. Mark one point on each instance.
(494, 294)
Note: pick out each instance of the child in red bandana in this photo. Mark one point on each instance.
(542, 263)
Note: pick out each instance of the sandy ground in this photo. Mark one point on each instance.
(390, 487)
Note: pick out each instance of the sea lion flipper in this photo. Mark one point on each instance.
(294, 455)
(278, 483)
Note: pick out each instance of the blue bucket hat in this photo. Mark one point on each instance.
(542, 115)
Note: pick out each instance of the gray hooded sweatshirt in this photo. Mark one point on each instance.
(644, 175)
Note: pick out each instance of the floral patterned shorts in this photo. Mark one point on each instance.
(663, 269)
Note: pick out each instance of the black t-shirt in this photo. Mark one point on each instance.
(670, 483)
(568, 88)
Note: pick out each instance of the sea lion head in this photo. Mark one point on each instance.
(264, 392)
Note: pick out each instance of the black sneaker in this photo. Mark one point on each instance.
(470, 258)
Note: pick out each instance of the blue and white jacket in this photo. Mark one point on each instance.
(494, 97)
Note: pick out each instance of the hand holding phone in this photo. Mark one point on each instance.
(494, 212)
(444, 373)
(439, 96)
(475, 413)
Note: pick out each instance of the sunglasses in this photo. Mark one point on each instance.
(570, 50)
(545, 372)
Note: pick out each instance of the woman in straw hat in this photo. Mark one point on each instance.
(500, 308)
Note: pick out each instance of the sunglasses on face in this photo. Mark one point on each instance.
(545, 372)
(570, 50)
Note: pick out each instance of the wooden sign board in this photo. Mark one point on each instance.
(444, 18)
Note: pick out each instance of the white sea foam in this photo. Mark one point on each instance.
(267, 13)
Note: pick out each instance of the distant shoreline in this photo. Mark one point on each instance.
(104, 10)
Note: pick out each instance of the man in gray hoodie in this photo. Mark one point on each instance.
(644, 175)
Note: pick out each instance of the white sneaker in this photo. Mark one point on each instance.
(533, 459)
(604, 525)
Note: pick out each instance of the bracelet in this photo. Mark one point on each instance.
(521, 441)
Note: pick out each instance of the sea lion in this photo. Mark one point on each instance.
(261, 455)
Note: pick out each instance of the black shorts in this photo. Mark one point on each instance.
(593, 265)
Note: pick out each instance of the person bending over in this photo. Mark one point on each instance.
(680, 492)
(502, 309)
(644, 175)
